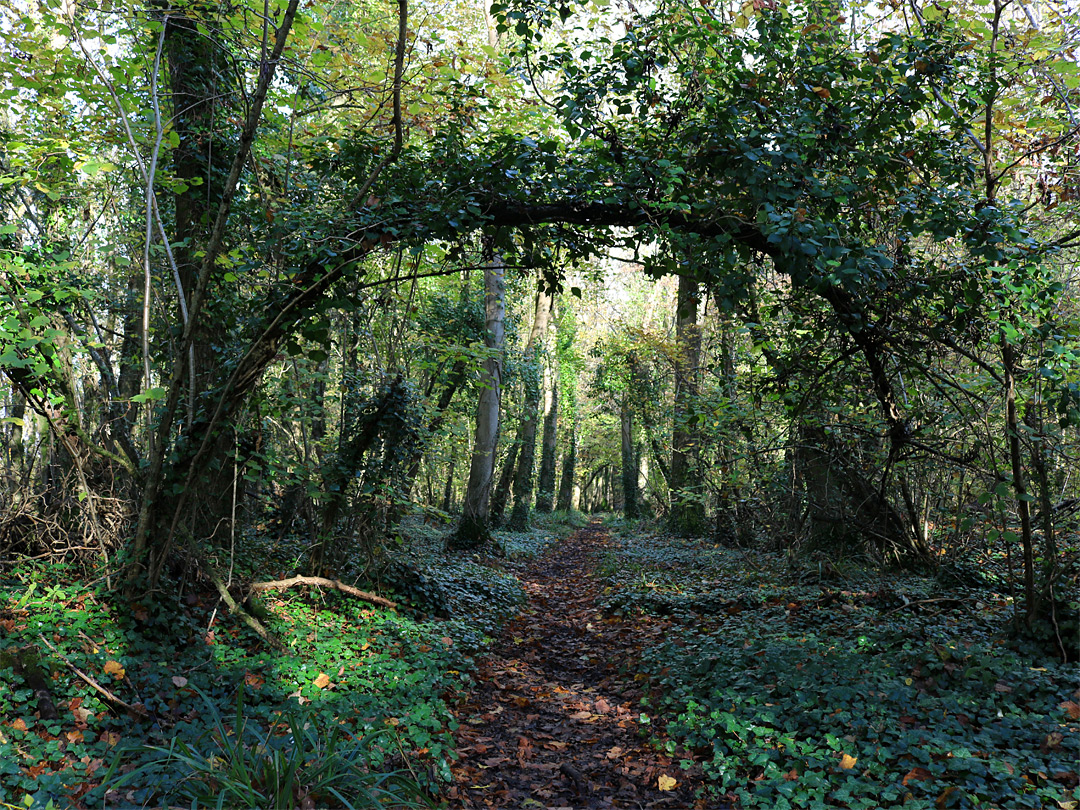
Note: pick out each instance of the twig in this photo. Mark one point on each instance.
(142, 714)
(246, 617)
(282, 584)
(908, 604)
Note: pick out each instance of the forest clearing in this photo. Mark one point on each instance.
(539, 404)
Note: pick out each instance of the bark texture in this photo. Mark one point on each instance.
(523, 476)
(687, 515)
(473, 530)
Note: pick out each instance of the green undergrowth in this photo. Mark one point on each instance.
(794, 687)
(366, 691)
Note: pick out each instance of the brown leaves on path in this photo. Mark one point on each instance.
(554, 721)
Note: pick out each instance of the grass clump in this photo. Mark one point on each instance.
(296, 762)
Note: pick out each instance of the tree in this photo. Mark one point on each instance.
(473, 529)
(523, 475)
(687, 498)
(545, 483)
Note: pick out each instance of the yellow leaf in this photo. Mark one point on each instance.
(114, 668)
(323, 680)
(847, 762)
(666, 782)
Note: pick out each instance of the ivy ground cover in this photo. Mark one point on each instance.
(807, 687)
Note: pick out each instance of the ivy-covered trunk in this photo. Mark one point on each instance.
(523, 476)
(569, 467)
(189, 482)
(687, 515)
(545, 482)
(629, 460)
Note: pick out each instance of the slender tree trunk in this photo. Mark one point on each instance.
(545, 482)
(453, 383)
(501, 494)
(629, 461)
(523, 477)
(15, 437)
(569, 465)
(1019, 482)
(473, 530)
(448, 489)
(687, 502)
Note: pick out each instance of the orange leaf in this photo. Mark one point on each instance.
(916, 775)
(1071, 708)
(822, 92)
(847, 762)
(19, 724)
(114, 668)
(323, 680)
(943, 800)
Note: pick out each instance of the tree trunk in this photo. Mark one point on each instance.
(569, 465)
(545, 482)
(448, 489)
(1019, 483)
(501, 493)
(15, 461)
(473, 530)
(629, 461)
(523, 477)
(687, 499)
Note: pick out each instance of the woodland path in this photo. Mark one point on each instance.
(553, 721)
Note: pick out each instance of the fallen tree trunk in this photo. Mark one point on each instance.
(282, 584)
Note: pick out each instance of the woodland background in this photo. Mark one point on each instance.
(285, 286)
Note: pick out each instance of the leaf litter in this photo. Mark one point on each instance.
(555, 719)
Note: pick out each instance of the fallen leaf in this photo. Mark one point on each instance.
(179, 681)
(943, 800)
(19, 724)
(847, 762)
(1052, 741)
(1071, 708)
(665, 782)
(323, 680)
(916, 775)
(115, 668)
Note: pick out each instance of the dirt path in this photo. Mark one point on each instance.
(553, 723)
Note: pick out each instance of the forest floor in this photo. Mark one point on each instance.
(554, 720)
(585, 665)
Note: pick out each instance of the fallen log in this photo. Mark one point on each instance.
(282, 584)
